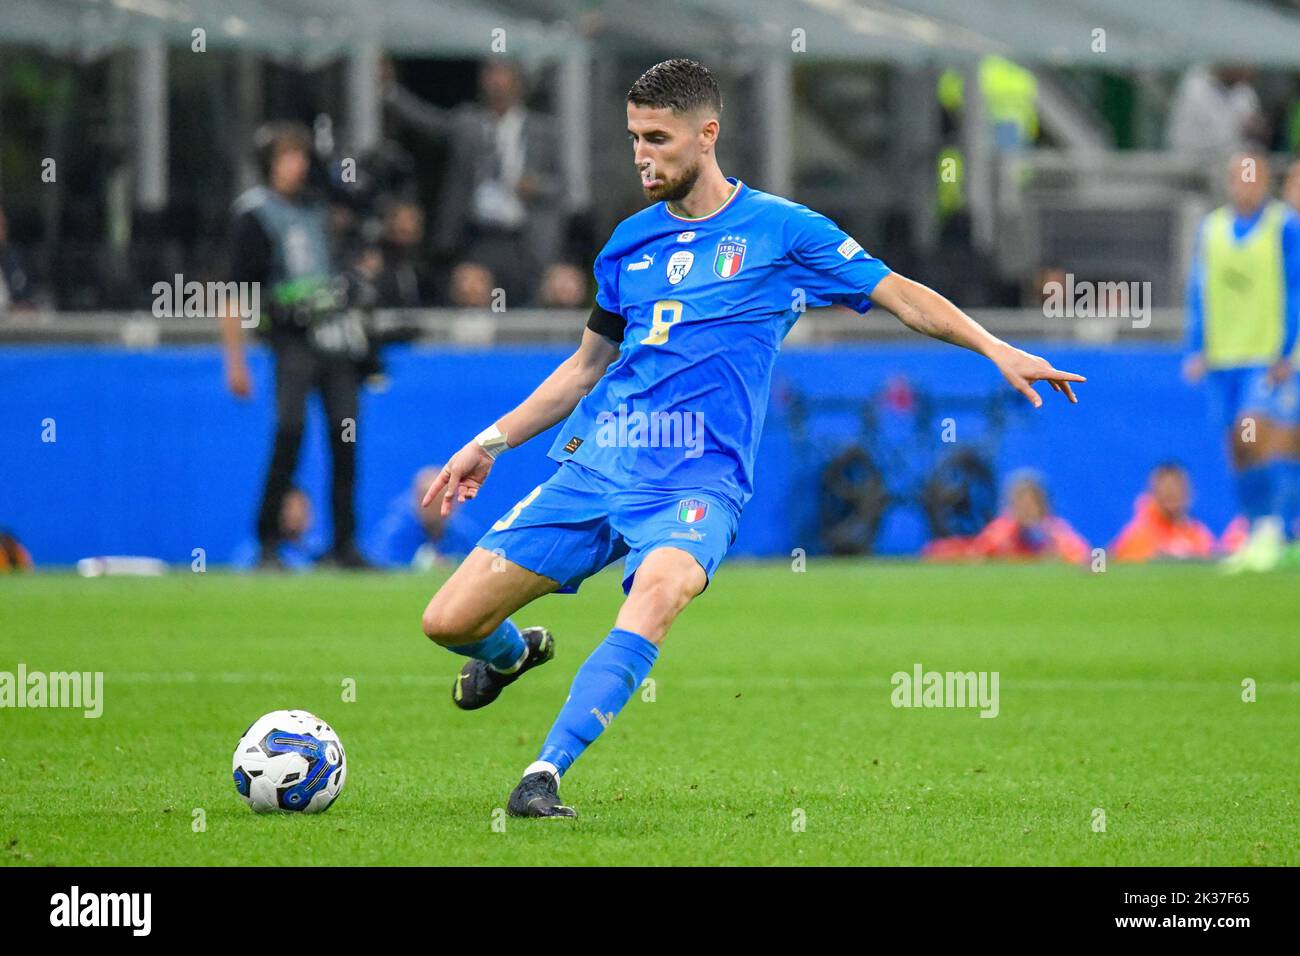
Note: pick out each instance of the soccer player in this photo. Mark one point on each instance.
(664, 399)
(1243, 314)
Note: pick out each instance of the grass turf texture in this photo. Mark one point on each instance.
(1119, 690)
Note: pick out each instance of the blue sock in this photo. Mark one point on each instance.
(1255, 491)
(1277, 487)
(1289, 495)
(603, 684)
(502, 648)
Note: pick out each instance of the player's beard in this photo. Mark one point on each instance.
(674, 190)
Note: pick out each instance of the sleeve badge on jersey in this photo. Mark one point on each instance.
(849, 248)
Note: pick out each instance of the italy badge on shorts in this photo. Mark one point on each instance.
(691, 510)
(730, 256)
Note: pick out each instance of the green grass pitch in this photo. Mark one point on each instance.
(770, 739)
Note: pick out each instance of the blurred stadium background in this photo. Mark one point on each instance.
(985, 147)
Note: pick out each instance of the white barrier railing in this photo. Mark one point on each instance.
(469, 327)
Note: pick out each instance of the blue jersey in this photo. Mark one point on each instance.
(707, 303)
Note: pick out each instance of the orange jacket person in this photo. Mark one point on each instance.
(1161, 526)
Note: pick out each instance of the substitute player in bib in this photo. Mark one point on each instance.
(1243, 317)
(664, 401)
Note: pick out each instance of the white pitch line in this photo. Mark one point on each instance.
(740, 683)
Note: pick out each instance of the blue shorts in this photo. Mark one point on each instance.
(1277, 403)
(1227, 388)
(578, 522)
(1235, 392)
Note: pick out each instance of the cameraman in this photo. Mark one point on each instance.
(281, 239)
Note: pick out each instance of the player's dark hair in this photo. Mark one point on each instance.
(682, 86)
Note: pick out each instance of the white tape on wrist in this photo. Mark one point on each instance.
(492, 441)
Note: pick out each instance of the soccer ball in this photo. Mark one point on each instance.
(290, 760)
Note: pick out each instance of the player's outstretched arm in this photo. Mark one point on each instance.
(552, 401)
(921, 308)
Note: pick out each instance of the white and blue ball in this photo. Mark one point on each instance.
(292, 761)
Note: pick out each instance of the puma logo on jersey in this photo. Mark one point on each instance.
(647, 260)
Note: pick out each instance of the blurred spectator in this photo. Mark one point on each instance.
(471, 286)
(15, 280)
(298, 544)
(502, 199)
(368, 262)
(411, 536)
(1161, 526)
(401, 280)
(1026, 530)
(13, 556)
(1010, 101)
(564, 286)
(1036, 294)
(281, 242)
(1215, 111)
